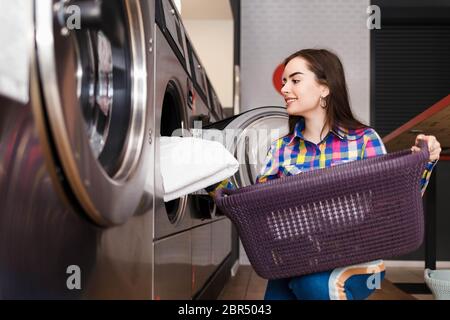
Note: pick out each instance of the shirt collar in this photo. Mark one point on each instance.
(339, 131)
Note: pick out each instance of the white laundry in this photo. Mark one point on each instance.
(189, 164)
(16, 37)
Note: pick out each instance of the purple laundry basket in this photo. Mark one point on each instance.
(332, 217)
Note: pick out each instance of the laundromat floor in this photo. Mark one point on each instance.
(247, 285)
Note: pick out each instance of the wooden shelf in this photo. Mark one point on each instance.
(433, 121)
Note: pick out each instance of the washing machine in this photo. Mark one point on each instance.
(172, 239)
(248, 137)
(76, 162)
(212, 241)
(190, 241)
(214, 102)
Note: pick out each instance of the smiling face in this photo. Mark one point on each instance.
(301, 90)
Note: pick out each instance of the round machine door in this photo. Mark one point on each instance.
(91, 58)
(248, 137)
(173, 119)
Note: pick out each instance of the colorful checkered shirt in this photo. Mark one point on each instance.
(293, 154)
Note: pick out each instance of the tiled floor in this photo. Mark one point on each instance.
(408, 275)
(247, 285)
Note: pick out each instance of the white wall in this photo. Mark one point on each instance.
(272, 30)
(213, 41)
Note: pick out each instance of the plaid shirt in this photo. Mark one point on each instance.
(293, 154)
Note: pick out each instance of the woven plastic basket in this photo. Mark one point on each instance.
(333, 217)
(439, 283)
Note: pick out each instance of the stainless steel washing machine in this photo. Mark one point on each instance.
(190, 241)
(211, 235)
(76, 162)
(172, 246)
(171, 90)
(249, 135)
(214, 103)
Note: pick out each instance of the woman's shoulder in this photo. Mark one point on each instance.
(365, 133)
(282, 141)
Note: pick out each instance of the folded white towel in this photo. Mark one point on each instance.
(16, 37)
(189, 164)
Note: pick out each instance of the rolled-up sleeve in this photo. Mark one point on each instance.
(427, 175)
(271, 168)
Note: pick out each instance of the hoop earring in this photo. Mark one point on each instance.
(323, 103)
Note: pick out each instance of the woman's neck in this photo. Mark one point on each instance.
(313, 128)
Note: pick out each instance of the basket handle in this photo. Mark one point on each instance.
(222, 193)
(423, 145)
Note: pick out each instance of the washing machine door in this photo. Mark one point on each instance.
(248, 137)
(92, 68)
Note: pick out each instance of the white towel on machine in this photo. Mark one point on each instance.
(17, 38)
(189, 164)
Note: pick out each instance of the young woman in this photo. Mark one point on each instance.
(323, 133)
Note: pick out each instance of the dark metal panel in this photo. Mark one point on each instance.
(411, 72)
(173, 267)
(202, 267)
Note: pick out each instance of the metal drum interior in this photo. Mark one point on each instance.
(172, 124)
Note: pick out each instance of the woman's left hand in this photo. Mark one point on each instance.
(434, 147)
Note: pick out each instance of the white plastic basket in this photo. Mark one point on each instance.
(439, 283)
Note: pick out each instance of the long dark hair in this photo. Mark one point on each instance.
(329, 71)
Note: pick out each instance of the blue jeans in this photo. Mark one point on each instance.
(321, 286)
